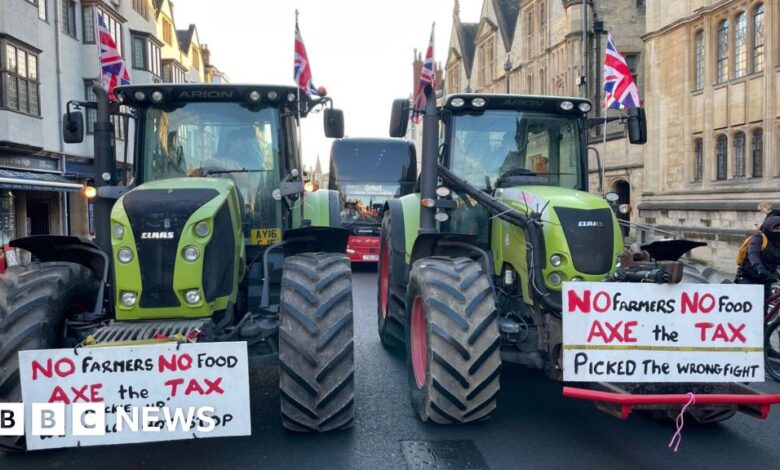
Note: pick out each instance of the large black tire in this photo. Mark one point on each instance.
(316, 349)
(453, 341)
(390, 310)
(34, 301)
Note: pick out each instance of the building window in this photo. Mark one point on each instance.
(486, 67)
(698, 71)
(721, 156)
(141, 6)
(41, 4)
(453, 78)
(173, 73)
(146, 55)
(542, 82)
(113, 25)
(529, 84)
(632, 60)
(69, 17)
(739, 155)
(19, 79)
(740, 45)
(167, 32)
(195, 57)
(543, 24)
(529, 30)
(723, 51)
(698, 159)
(758, 39)
(757, 148)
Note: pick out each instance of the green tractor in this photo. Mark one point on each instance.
(472, 266)
(214, 239)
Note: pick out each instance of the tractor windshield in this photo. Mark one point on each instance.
(515, 148)
(221, 140)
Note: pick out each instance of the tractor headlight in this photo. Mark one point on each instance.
(457, 102)
(478, 102)
(254, 96)
(202, 228)
(584, 107)
(129, 298)
(555, 279)
(576, 279)
(124, 255)
(567, 105)
(556, 260)
(190, 253)
(139, 95)
(192, 296)
(118, 231)
(157, 96)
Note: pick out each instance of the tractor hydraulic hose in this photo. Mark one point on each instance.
(530, 224)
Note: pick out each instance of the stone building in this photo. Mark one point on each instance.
(535, 47)
(712, 102)
(48, 56)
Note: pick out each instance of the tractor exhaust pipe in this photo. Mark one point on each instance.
(105, 168)
(430, 162)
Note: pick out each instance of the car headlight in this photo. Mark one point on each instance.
(191, 253)
(129, 298)
(192, 296)
(124, 255)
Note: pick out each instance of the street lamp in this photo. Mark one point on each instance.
(507, 68)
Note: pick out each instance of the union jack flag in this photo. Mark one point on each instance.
(427, 78)
(112, 66)
(619, 87)
(302, 71)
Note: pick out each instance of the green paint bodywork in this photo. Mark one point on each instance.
(507, 242)
(187, 275)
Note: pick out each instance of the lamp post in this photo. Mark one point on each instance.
(507, 68)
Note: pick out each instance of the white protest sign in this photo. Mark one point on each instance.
(197, 390)
(627, 332)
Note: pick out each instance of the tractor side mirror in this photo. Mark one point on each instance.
(73, 127)
(399, 117)
(333, 120)
(637, 126)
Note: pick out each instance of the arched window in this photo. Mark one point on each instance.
(543, 24)
(698, 160)
(758, 39)
(739, 155)
(740, 45)
(698, 71)
(723, 51)
(721, 156)
(757, 148)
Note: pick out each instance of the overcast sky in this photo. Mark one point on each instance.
(360, 50)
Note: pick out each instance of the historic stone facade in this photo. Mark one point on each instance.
(712, 104)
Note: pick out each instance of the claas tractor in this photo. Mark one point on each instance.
(472, 266)
(213, 239)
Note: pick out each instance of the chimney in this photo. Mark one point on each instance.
(205, 54)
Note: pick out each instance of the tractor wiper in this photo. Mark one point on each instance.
(222, 172)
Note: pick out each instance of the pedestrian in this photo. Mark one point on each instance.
(762, 257)
(765, 208)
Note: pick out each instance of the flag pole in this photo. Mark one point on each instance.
(298, 92)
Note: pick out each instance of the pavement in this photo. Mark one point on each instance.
(533, 428)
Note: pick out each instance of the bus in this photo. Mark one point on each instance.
(367, 172)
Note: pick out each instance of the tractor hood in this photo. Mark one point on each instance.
(177, 248)
(579, 227)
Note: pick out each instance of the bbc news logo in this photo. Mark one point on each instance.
(89, 419)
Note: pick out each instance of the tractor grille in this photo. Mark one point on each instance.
(161, 211)
(137, 331)
(589, 234)
(218, 260)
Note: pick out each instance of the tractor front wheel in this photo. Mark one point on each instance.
(453, 341)
(316, 349)
(34, 302)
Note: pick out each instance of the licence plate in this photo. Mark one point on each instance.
(370, 257)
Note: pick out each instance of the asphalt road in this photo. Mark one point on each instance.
(534, 427)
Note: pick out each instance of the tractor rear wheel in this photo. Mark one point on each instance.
(389, 309)
(453, 341)
(34, 302)
(316, 349)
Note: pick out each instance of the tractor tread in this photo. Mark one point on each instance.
(316, 354)
(463, 340)
(33, 301)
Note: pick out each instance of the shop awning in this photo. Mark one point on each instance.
(29, 181)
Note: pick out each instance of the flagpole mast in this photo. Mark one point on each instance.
(298, 92)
